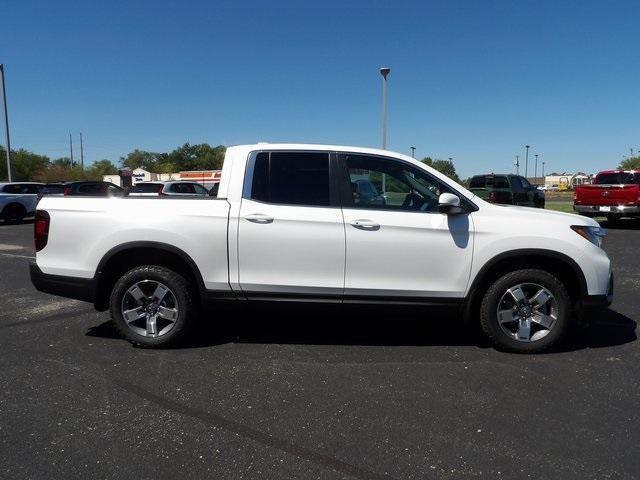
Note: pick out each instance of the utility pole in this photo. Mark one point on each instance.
(517, 164)
(526, 162)
(535, 174)
(6, 122)
(543, 162)
(413, 152)
(82, 153)
(71, 149)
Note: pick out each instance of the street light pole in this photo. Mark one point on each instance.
(517, 164)
(526, 162)
(81, 153)
(535, 174)
(413, 152)
(384, 71)
(543, 162)
(71, 149)
(6, 123)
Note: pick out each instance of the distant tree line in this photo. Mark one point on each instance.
(29, 166)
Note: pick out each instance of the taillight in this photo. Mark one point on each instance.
(41, 229)
(67, 191)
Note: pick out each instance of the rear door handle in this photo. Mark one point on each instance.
(365, 225)
(259, 218)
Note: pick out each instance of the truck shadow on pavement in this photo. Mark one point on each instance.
(623, 224)
(368, 326)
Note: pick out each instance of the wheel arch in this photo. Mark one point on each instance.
(129, 255)
(556, 263)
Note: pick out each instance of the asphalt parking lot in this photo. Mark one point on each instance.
(287, 394)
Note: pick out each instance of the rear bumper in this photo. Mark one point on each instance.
(594, 210)
(69, 287)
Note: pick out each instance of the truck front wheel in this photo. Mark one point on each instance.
(152, 306)
(525, 311)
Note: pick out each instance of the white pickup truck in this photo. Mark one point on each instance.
(289, 223)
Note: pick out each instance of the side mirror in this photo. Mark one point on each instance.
(449, 203)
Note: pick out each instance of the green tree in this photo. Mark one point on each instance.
(197, 157)
(103, 167)
(630, 163)
(445, 167)
(64, 162)
(23, 164)
(143, 159)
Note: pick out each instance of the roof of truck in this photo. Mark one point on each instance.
(318, 146)
(636, 170)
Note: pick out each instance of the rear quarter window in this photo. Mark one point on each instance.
(617, 178)
(477, 182)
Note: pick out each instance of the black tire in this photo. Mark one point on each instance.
(181, 296)
(489, 311)
(13, 213)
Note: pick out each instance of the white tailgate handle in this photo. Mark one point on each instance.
(365, 225)
(259, 218)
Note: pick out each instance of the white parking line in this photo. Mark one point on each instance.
(17, 256)
(9, 246)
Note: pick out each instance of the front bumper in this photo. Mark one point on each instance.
(596, 210)
(594, 303)
(69, 287)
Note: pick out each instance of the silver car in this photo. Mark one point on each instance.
(18, 200)
(171, 188)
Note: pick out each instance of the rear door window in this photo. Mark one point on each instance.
(290, 178)
(183, 188)
(92, 189)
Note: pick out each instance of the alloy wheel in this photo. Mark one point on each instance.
(150, 308)
(527, 312)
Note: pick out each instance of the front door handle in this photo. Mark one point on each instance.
(259, 218)
(365, 225)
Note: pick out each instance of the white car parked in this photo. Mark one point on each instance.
(18, 200)
(288, 225)
(176, 188)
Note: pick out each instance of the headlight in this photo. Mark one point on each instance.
(592, 234)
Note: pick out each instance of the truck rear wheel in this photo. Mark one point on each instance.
(525, 311)
(152, 306)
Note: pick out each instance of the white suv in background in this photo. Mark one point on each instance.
(172, 188)
(18, 200)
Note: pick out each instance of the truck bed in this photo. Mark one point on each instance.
(194, 225)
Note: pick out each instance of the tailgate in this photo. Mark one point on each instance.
(607, 194)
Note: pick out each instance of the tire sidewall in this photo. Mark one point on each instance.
(178, 286)
(489, 306)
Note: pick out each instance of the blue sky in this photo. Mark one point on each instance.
(473, 80)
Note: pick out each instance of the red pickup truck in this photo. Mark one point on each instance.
(613, 194)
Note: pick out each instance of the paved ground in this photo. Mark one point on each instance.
(356, 394)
